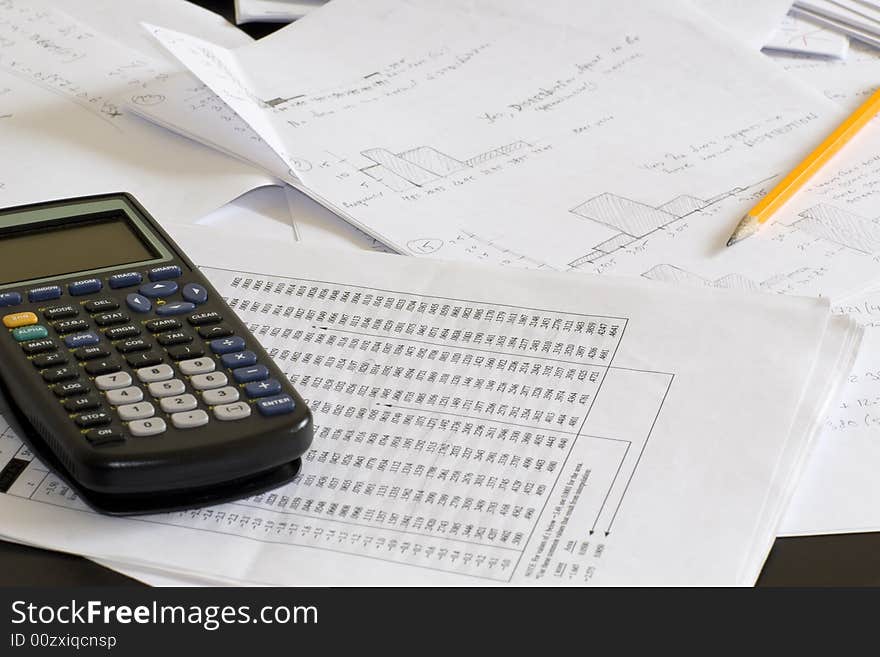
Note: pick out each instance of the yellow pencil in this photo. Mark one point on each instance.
(787, 187)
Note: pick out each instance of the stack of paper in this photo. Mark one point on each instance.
(799, 36)
(493, 426)
(858, 19)
(273, 11)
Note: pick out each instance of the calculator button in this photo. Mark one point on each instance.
(70, 388)
(9, 299)
(100, 305)
(185, 351)
(113, 381)
(180, 403)
(176, 308)
(158, 290)
(111, 319)
(46, 293)
(93, 419)
(101, 367)
(120, 396)
(126, 279)
(60, 312)
(248, 374)
(236, 411)
(81, 340)
(240, 359)
(157, 373)
(88, 286)
(162, 325)
(150, 427)
(140, 411)
(175, 337)
(196, 366)
(26, 333)
(14, 320)
(164, 273)
(49, 360)
(195, 293)
(189, 420)
(138, 303)
(276, 405)
(70, 326)
(104, 436)
(60, 374)
(38, 347)
(202, 319)
(258, 389)
(79, 404)
(132, 345)
(91, 353)
(122, 332)
(208, 381)
(143, 359)
(170, 388)
(225, 395)
(227, 345)
(214, 332)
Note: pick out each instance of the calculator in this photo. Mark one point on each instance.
(125, 370)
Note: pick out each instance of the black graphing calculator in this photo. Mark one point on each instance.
(127, 372)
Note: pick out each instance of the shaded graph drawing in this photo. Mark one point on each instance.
(667, 273)
(423, 165)
(841, 227)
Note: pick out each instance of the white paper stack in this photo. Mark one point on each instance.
(858, 19)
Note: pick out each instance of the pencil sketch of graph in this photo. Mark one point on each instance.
(423, 165)
(667, 273)
(841, 227)
(635, 220)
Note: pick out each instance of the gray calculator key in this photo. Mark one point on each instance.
(113, 381)
(168, 388)
(120, 396)
(190, 419)
(236, 411)
(225, 395)
(209, 381)
(156, 373)
(197, 366)
(140, 411)
(149, 427)
(180, 403)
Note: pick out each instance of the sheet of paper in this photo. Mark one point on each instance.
(263, 213)
(848, 82)
(866, 37)
(849, 12)
(752, 21)
(66, 134)
(273, 11)
(840, 490)
(799, 36)
(436, 149)
(491, 426)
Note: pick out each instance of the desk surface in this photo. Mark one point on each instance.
(843, 560)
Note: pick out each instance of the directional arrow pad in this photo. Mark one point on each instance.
(158, 290)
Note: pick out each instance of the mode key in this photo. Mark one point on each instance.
(60, 312)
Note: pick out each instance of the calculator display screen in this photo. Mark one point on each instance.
(77, 246)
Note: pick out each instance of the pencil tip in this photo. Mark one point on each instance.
(747, 227)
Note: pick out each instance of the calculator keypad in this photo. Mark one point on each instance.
(184, 363)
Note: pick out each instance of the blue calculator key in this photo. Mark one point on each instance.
(138, 303)
(87, 286)
(276, 405)
(176, 308)
(46, 293)
(81, 340)
(227, 345)
(164, 273)
(126, 279)
(195, 293)
(158, 290)
(248, 374)
(258, 389)
(32, 332)
(9, 299)
(239, 359)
